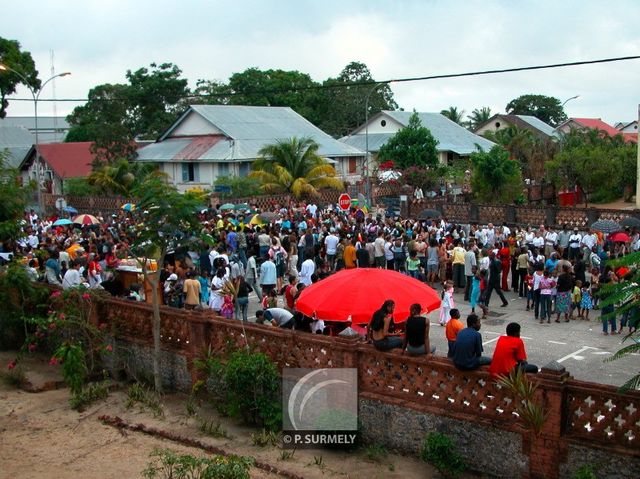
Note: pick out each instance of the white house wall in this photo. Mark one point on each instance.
(194, 125)
(375, 126)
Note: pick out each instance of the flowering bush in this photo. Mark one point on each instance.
(387, 165)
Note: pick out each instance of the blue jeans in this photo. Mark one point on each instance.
(243, 304)
(545, 307)
(390, 342)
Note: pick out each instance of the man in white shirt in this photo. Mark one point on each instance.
(331, 245)
(307, 269)
(589, 240)
(311, 209)
(378, 250)
(575, 240)
(538, 241)
(550, 242)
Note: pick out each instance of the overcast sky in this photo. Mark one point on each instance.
(98, 40)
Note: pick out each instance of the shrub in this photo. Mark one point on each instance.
(247, 386)
(146, 398)
(169, 465)
(585, 471)
(438, 449)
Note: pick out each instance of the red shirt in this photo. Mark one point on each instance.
(509, 350)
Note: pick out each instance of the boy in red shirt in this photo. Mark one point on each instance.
(510, 353)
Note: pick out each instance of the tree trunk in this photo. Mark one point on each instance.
(157, 376)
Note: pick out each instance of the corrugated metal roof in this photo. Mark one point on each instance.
(17, 141)
(249, 129)
(450, 135)
(50, 129)
(538, 124)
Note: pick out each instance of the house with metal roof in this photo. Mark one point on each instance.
(16, 141)
(524, 122)
(58, 162)
(595, 124)
(51, 129)
(209, 141)
(454, 141)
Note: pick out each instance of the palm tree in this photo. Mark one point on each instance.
(453, 114)
(478, 117)
(121, 178)
(294, 166)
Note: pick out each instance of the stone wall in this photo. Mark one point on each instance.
(490, 449)
(403, 398)
(604, 463)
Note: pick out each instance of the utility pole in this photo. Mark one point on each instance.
(638, 165)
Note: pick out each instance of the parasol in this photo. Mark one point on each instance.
(227, 206)
(128, 207)
(62, 222)
(429, 215)
(358, 293)
(631, 222)
(70, 209)
(606, 226)
(619, 237)
(86, 220)
(268, 216)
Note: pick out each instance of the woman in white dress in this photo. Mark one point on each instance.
(216, 299)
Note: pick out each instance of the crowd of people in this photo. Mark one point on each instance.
(559, 273)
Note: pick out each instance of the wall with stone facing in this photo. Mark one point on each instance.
(421, 394)
(605, 463)
(489, 449)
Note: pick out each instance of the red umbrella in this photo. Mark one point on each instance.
(86, 220)
(619, 237)
(358, 293)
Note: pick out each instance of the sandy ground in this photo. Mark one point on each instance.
(42, 437)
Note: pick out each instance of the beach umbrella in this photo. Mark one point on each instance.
(268, 216)
(429, 215)
(606, 226)
(70, 209)
(255, 220)
(630, 222)
(227, 206)
(358, 293)
(619, 237)
(86, 220)
(62, 222)
(128, 207)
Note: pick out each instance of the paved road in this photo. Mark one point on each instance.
(579, 345)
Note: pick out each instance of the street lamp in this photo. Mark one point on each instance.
(36, 96)
(569, 99)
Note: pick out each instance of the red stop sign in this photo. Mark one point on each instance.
(344, 201)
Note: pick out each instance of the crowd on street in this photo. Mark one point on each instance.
(558, 272)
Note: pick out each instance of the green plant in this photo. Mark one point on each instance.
(586, 471)
(439, 450)
(145, 398)
(264, 438)
(392, 467)
(213, 429)
(74, 367)
(375, 452)
(286, 455)
(169, 465)
(319, 461)
(89, 394)
(531, 412)
(245, 386)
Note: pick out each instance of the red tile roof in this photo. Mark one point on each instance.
(598, 124)
(68, 160)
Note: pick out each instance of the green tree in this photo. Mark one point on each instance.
(294, 166)
(545, 108)
(21, 61)
(167, 223)
(13, 199)
(454, 114)
(116, 115)
(341, 106)
(517, 141)
(122, 177)
(478, 117)
(239, 186)
(210, 92)
(413, 145)
(495, 177)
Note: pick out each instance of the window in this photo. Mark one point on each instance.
(497, 124)
(190, 173)
(223, 169)
(383, 123)
(244, 168)
(353, 165)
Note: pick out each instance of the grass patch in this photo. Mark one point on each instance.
(145, 398)
(264, 438)
(89, 394)
(214, 429)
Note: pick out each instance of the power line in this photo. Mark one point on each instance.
(364, 83)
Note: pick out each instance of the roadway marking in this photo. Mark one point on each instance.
(491, 340)
(556, 342)
(575, 354)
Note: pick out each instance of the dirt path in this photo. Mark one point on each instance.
(42, 437)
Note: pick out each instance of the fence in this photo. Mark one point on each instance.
(584, 415)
